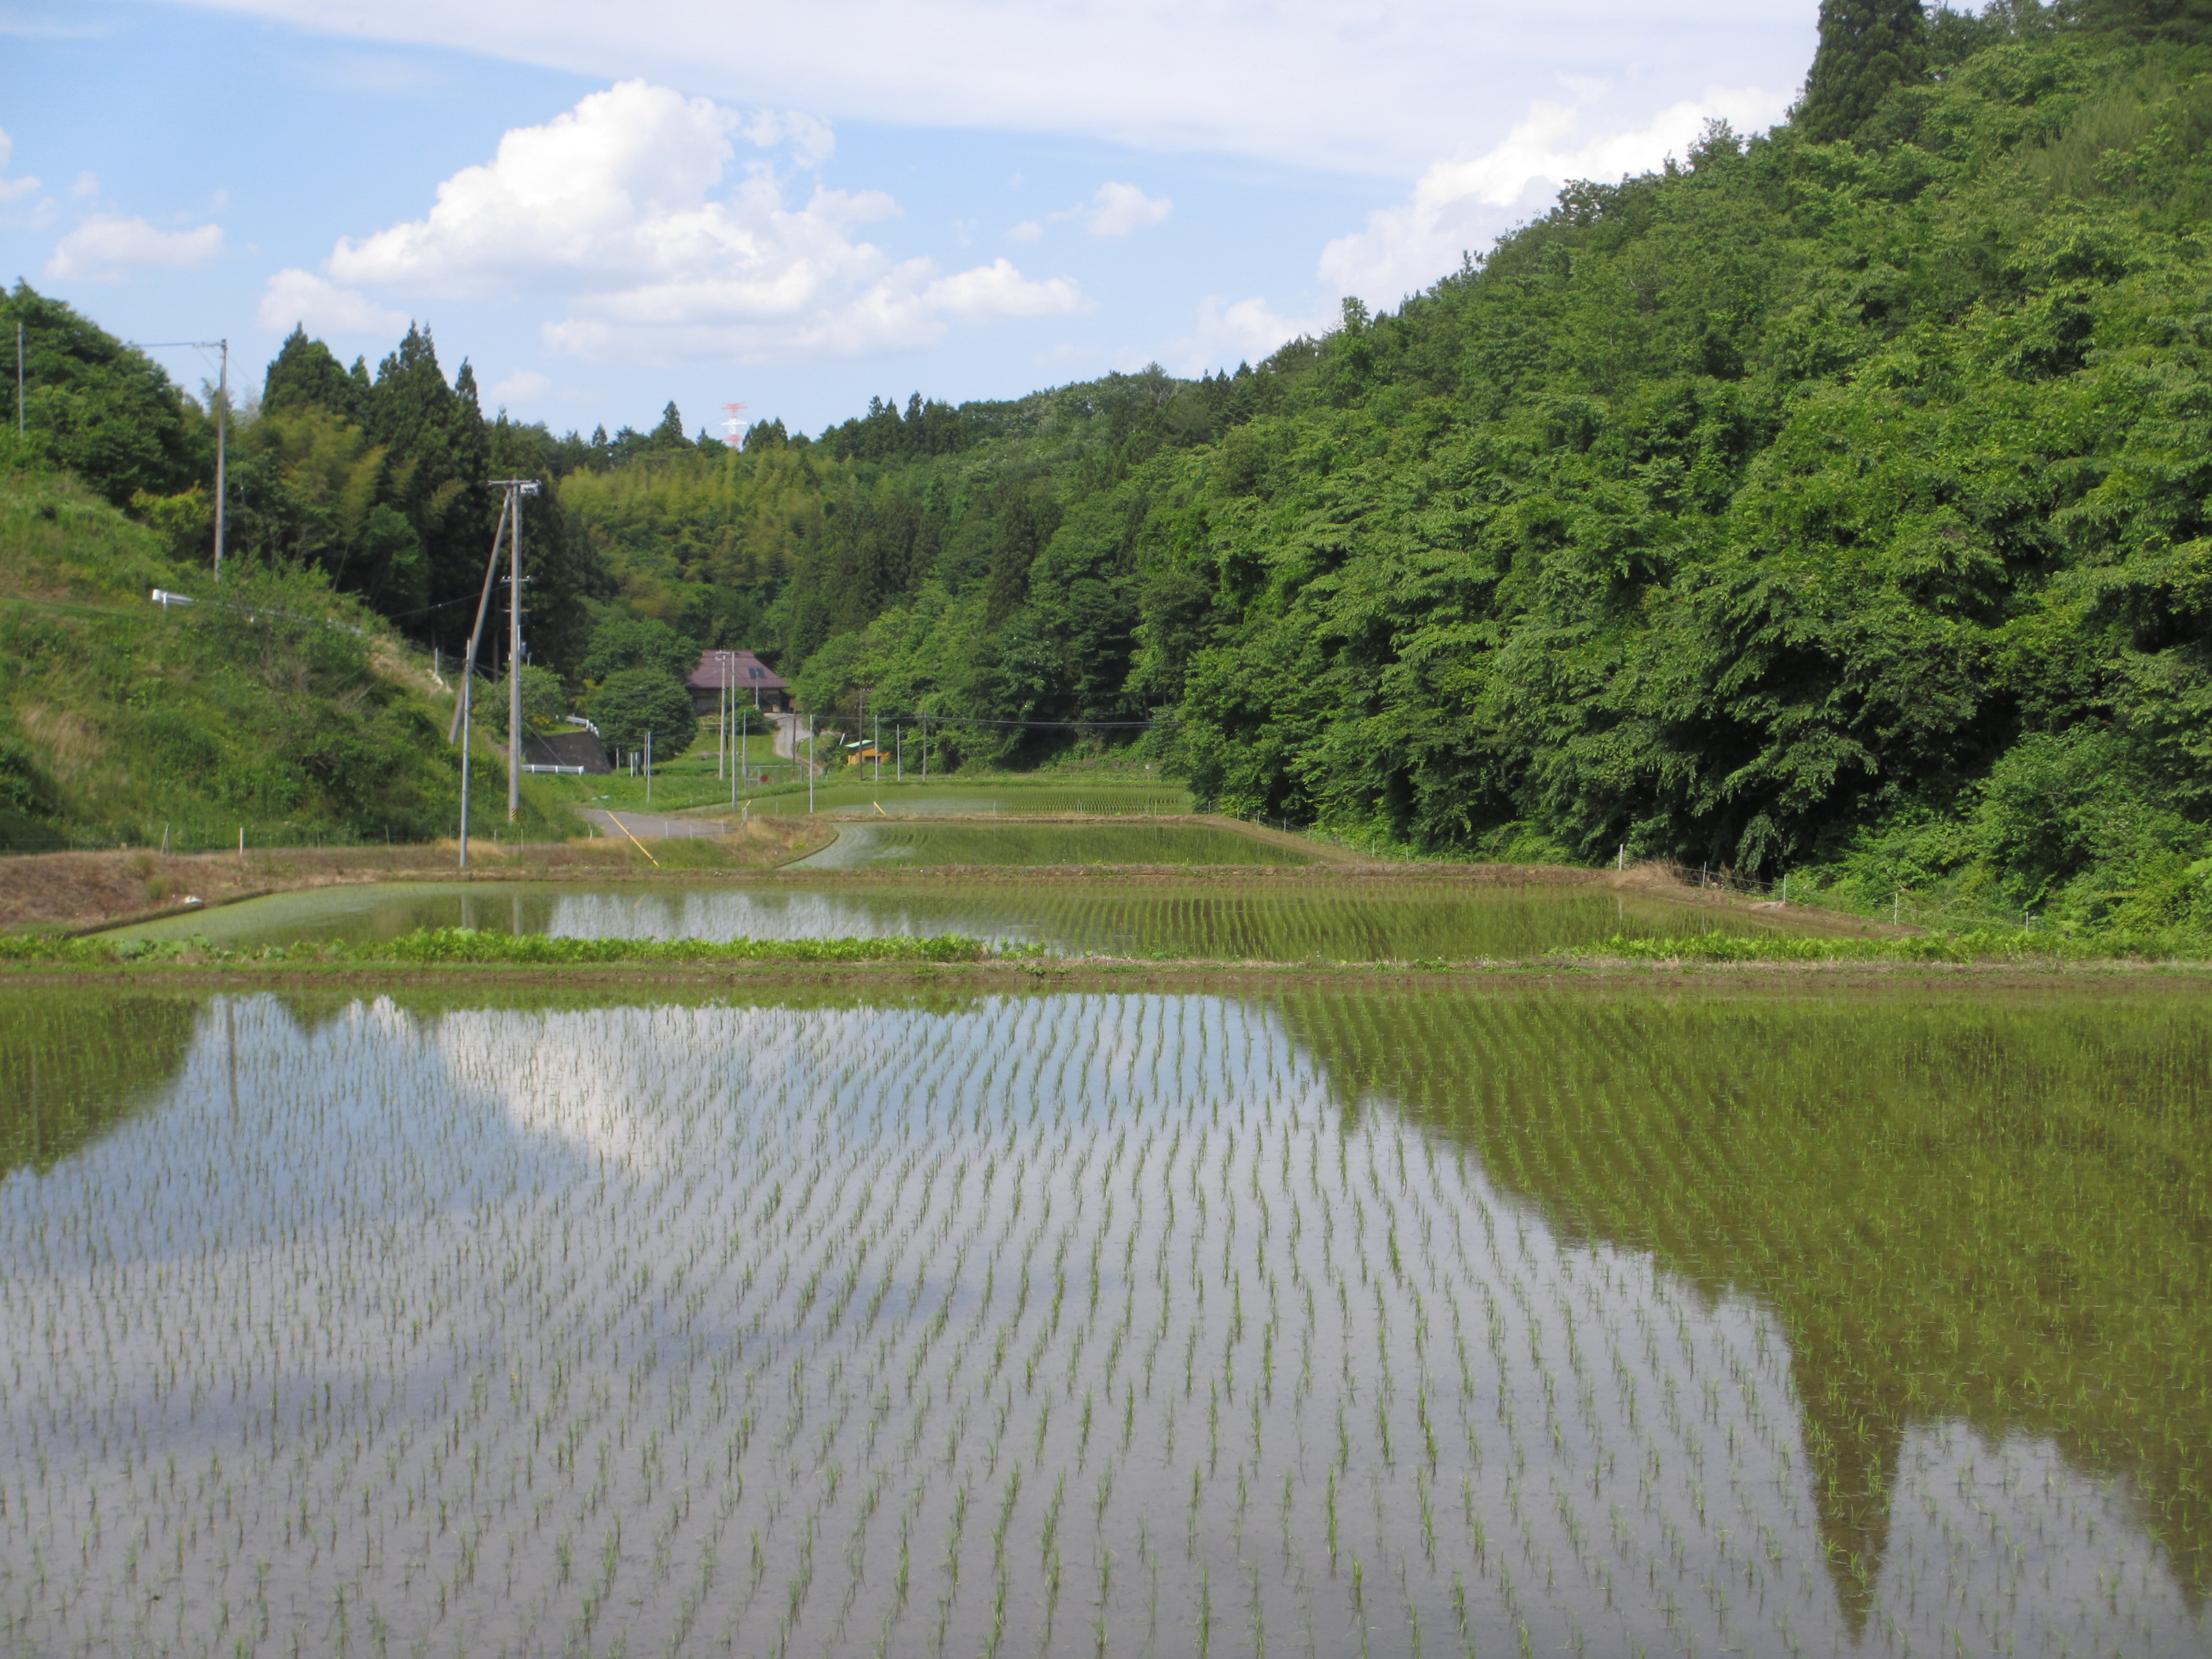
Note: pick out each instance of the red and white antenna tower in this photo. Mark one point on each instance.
(733, 429)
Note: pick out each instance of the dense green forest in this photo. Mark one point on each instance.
(1832, 502)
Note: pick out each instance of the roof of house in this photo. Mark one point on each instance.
(741, 669)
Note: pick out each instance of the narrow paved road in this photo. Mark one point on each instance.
(647, 826)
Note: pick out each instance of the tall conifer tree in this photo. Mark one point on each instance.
(1867, 48)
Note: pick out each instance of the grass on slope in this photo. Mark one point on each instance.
(283, 710)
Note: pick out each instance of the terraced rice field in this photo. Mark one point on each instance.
(1393, 1323)
(875, 846)
(1317, 918)
(848, 797)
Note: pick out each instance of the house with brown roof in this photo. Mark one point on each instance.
(745, 674)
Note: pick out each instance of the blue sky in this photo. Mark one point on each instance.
(608, 206)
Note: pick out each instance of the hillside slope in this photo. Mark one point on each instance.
(1836, 508)
(281, 709)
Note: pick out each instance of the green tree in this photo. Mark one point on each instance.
(304, 374)
(669, 434)
(437, 431)
(98, 408)
(621, 643)
(636, 700)
(1868, 48)
(2185, 20)
(1020, 531)
(544, 700)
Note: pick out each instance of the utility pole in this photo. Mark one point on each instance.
(221, 416)
(221, 448)
(810, 760)
(516, 490)
(462, 708)
(484, 609)
(461, 703)
(19, 379)
(878, 745)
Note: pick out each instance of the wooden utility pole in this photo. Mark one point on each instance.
(516, 488)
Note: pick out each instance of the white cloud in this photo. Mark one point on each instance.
(523, 385)
(620, 207)
(321, 306)
(811, 139)
(1028, 231)
(1228, 333)
(1117, 209)
(11, 188)
(1460, 207)
(1380, 87)
(106, 243)
(998, 290)
(87, 184)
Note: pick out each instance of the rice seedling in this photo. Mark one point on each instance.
(1389, 1322)
(1308, 917)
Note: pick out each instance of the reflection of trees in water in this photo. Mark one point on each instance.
(1991, 1207)
(73, 1065)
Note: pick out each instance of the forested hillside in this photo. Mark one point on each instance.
(1836, 507)
(1833, 501)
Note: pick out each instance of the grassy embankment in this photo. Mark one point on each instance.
(285, 710)
(53, 893)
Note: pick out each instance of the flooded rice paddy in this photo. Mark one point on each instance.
(1324, 919)
(847, 798)
(867, 846)
(1775, 1320)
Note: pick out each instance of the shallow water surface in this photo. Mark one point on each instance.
(876, 845)
(1235, 921)
(1504, 1322)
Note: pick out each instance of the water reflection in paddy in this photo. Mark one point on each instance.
(1769, 1321)
(1331, 921)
